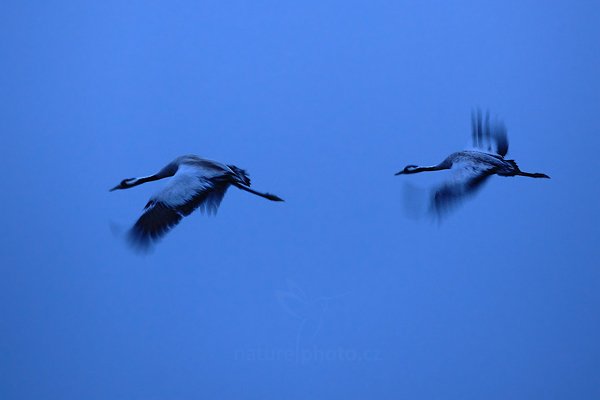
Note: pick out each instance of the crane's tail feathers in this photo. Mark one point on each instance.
(241, 174)
(513, 163)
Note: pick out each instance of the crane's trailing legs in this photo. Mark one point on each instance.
(267, 196)
(532, 174)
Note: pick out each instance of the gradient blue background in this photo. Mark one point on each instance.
(335, 294)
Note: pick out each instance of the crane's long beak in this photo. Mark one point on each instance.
(115, 188)
(399, 173)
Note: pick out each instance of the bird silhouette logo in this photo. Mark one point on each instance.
(308, 311)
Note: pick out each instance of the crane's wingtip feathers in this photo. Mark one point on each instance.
(154, 223)
(139, 242)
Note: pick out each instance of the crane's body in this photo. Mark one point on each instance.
(471, 168)
(195, 183)
(479, 160)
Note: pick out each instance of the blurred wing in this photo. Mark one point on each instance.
(466, 179)
(476, 129)
(489, 136)
(185, 192)
(499, 136)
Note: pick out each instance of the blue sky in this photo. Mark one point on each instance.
(336, 293)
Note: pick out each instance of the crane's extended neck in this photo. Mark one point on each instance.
(131, 182)
(413, 169)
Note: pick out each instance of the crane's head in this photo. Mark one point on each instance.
(409, 169)
(125, 184)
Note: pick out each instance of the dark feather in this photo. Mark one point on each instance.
(451, 194)
(499, 136)
(155, 222)
(490, 136)
(159, 218)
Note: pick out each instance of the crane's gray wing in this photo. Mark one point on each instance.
(489, 135)
(466, 178)
(185, 192)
